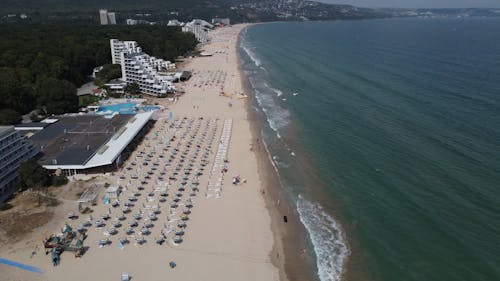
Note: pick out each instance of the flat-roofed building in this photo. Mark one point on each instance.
(14, 150)
(88, 143)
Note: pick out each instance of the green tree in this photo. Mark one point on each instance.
(107, 73)
(32, 175)
(59, 180)
(86, 100)
(56, 96)
(9, 117)
(15, 89)
(32, 54)
(133, 89)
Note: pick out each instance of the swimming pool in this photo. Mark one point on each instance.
(126, 108)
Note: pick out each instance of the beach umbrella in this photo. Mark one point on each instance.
(140, 240)
(104, 242)
(112, 231)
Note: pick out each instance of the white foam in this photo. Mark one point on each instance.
(252, 56)
(327, 239)
(278, 92)
(276, 116)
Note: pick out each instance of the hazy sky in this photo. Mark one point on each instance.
(419, 3)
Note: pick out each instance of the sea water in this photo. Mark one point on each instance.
(386, 134)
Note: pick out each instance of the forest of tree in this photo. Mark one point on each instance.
(41, 65)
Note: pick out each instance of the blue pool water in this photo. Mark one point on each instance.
(126, 108)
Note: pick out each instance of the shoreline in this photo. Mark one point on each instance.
(290, 238)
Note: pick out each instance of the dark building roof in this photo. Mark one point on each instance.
(73, 140)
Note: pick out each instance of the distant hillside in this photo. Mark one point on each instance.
(86, 11)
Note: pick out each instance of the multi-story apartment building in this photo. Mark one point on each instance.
(112, 18)
(199, 28)
(138, 67)
(103, 17)
(14, 149)
(107, 18)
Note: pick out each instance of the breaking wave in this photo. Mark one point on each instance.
(278, 92)
(327, 239)
(251, 55)
(277, 117)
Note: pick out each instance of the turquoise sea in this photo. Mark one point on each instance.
(386, 134)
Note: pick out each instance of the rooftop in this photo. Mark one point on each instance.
(5, 129)
(75, 139)
(32, 126)
(87, 141)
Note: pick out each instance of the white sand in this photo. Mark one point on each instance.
(227, 238)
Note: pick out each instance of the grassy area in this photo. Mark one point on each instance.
(84, 101)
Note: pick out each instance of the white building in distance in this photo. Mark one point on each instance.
(111, 18)
(224, 21)
(137, 22)
(175, 23)
(138, 67)
(199, 28)
(107, 18)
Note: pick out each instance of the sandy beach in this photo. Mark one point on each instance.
(228, 232)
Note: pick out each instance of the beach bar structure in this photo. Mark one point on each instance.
(88, 143)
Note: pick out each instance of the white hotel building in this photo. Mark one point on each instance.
(138, 67)
(199, 28)
(14, 149)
